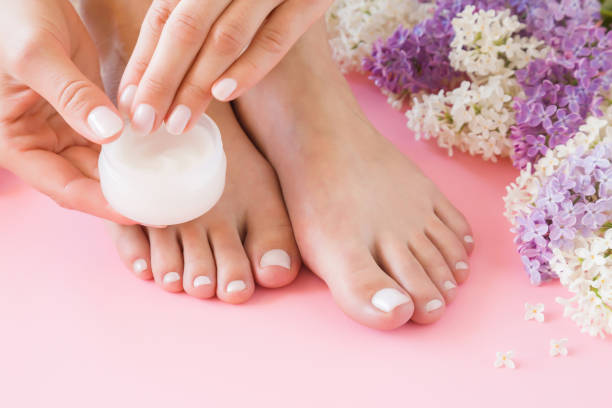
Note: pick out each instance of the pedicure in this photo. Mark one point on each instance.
(388, 299)
(468, 239)
(461, 266)
(236, 286)
(433, 305)
(178, 120)
(144, 118)
(224, 88)
(127, 97)
(104, 123)
(171, 277)
(201, 280)
(275, 257)
(448, 285)
(139, 266)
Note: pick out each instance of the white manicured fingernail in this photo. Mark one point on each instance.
(433, 305)
(461, 266)
(178, 120)
(144, 118)
(388, 299)
(236, 286)
(104, 122)
(139, 266)
(201, 280)
(127, 97)
(224, 88)
(448, 285)
(468, 239)
(276, 257)
(171, 277)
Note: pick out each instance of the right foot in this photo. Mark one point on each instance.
(388, 244)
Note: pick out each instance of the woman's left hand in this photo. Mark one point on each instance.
(191, 50)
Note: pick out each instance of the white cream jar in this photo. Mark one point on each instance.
(162, 179)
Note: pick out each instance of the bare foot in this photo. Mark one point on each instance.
(245, 239)
(388, 244)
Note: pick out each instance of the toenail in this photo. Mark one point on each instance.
(276, 257)
(201, 280)
(171, 277)
(388, 299)
(461, 266)
(236, 286)
(448, 285)
(139, 266)
(433, 305)
(468, 239)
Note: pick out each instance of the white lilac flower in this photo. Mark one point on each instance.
(504, 359)
(558, 347)
(534, 312)
(487, 42)
(354, 25)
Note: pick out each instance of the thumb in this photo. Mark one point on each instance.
(50, 72)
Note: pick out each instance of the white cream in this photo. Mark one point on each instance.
(162, 179)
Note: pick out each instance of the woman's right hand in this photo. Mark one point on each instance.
(53, 112)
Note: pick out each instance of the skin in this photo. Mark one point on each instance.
(45, 137)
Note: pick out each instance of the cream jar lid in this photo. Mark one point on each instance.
(162, 179)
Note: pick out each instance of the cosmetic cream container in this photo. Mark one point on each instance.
(161, 179)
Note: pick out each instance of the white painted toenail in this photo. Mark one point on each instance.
(468, 239)
(201, 280)
(236, 286)
(433, 305)
(388, 299)
(448, 285)
(461, 266)
(276, 257)
(139, 266)
(171, 277)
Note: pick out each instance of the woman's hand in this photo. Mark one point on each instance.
(191, 50)
(53, 112)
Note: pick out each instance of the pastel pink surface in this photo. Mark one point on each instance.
(79, 330)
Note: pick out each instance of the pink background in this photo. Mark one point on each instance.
(78, 330)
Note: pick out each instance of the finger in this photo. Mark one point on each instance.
(64, 183)
(83, 159)
(48, 69)
(230, 35)
(179, 44)
(283, 28)
(150, 32)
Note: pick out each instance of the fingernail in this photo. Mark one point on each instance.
(388, 299)
(104, 122)
(178, 120)
(468, 239)
(460, 266)
(433, 305)
(171, 277)
(236, 286)
(448, 285)
(224, 88)
(127, 97)
(201, 280)
(144, 118)
(139, 266)
(276, 257)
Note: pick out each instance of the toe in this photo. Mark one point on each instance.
(199, 274)
(272, 250)
(166, 258)
(364, 292)
(450, 247)
(133, 247)
(456, 222)
(401, 264)
(234, 278)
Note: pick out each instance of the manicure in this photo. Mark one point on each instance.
(178, 120)
(127, 97)
(104, 123)
(144, 118)
(224, 88)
